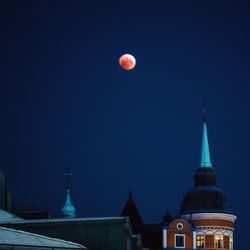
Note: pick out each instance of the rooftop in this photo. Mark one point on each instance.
(12, 237)
(88, 220)
(8, 217)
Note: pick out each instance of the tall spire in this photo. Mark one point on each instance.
(205, 154)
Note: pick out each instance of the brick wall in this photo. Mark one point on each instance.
(186, 230)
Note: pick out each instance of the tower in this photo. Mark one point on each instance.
(205, 218)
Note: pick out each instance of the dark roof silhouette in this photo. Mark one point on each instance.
(151, 233)
(167, 218)
(131, 210)
(205, 196)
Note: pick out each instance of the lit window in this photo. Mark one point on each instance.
(179, 240)
(200, 241)
(218, 241)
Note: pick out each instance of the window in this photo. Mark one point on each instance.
(179, 226)
(180, 240)
(200, 241)
(218, 241)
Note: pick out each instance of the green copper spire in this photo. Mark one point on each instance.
(205, 154)
(68, 210)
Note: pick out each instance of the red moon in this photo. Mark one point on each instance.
(127, 62)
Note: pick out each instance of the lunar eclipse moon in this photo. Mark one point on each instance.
(127, 62)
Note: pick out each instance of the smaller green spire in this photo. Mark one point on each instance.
(205, 154)
(68, 210)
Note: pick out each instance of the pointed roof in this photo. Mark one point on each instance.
(205, 154)
(167, 218)
(131, 210)
(68, 209)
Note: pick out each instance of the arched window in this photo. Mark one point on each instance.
(218, 241)
(200, 240)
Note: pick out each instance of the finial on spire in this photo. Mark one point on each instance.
(204, 112)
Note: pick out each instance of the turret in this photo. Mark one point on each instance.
(206, 207)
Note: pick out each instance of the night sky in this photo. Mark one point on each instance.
(66, 103)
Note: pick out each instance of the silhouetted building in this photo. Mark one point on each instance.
(33, 215)
(2, 190)
(11, 239)
(20, 240)
(108, 233)
(5, 195)
(151, 233)
(131, 210)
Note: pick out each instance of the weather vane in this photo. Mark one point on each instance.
(68, 174)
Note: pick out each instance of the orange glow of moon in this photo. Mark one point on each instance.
(127, 62)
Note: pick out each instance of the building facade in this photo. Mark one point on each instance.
(205, 219)
(107, 233)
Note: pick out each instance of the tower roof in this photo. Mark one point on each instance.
(205, 154)
(68, 209)
(205, 196)
(131, 210)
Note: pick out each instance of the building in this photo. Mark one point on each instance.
(151, 233)
(5, 195)
(108, 233)
(205, 219)
(18, 239)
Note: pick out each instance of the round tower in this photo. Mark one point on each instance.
(206, 207)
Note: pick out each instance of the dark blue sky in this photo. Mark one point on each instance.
(66, 103)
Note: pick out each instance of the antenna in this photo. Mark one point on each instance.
(204, 112)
